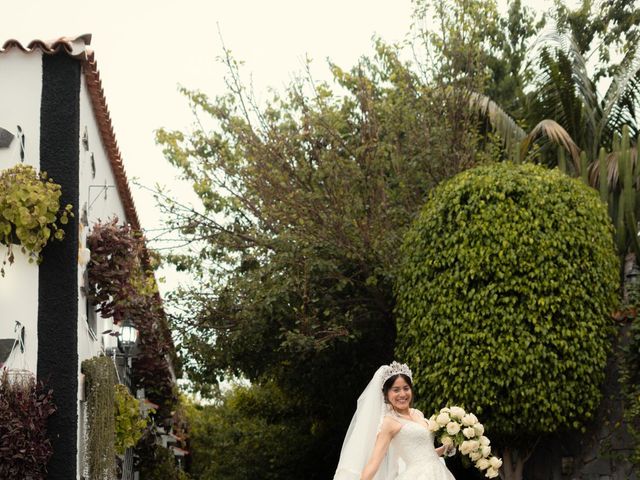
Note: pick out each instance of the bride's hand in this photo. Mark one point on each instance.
(446, 450)
(449, 450)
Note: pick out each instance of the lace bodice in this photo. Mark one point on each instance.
(414, 445)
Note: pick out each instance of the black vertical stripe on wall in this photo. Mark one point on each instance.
(58, 273)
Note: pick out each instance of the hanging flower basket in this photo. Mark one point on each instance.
(19, 376)
(25, 406)
(30, 212)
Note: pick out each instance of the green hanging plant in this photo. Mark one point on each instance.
(30, 213)
(100, 378)
(130, 423)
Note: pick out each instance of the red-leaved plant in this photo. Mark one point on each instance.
(24, 447)
(116, 251)
(121, 285)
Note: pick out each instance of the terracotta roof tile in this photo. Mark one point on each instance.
(76, 47)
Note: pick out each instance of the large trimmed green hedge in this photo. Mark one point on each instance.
(504, 296)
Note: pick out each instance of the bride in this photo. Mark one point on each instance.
(387, 439)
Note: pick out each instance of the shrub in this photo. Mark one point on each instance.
(261, 419)
(158, 463)
(24, 447)
(504, 296)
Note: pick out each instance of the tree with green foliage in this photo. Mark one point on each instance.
(561, 80)
(304, 203)
(255, 431)
(508, 280)
(305, 200)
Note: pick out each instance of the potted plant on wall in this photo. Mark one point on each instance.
(30, 212)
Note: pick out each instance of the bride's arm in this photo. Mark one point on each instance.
(380, 448)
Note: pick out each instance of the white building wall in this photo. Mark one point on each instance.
(20, 94)
(99, 202)
(20, 98)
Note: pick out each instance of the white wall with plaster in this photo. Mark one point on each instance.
(20, 94)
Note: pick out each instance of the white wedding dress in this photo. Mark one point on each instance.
(413, 444)
(411, 454)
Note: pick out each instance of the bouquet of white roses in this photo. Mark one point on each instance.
(454, 427)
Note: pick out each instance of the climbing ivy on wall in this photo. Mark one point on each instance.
(121, 284)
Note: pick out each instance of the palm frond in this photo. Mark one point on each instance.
(621, 101)
(553, 131)
(582, 88)
(503, 124)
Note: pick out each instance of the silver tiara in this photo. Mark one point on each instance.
(394, 369)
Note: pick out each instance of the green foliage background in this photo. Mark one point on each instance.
(630, 370)
(255, 432)
(508, 281)
(158, 463)
(304, 200)
(129, 422)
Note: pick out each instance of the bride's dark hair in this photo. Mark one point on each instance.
(389, 383)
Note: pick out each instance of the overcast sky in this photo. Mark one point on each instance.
(145, 49)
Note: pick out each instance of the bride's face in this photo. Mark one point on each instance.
(400, 394)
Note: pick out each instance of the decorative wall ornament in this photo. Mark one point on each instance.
(85, 139)
(22, 140)
(93, 166)
(6, 137)
(84, 215)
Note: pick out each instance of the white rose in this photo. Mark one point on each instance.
(495, 462)
(433, 425)
(475, 456)
(445, 410)
(469, 419)
(469, 432)
(433, 417)
(464, 448)
(491, 473)
(486, 451)
(484, 441)
(457, 412)
(479, 428)
(446, 441)
(443, 419)
(469, 446)
(453, 428)
(482, 464)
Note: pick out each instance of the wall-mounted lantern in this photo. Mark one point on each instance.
(128, 337)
